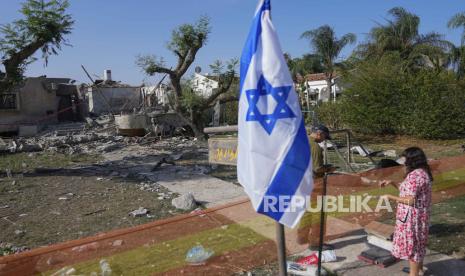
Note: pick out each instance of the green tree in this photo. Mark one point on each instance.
(458, 53)
(301, 66)
(401, 34)
(327, 47)
(384, 99)
(186, 41)
(373, 100)
(44, 27)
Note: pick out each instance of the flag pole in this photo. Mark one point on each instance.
(322, 223)
(281, 246)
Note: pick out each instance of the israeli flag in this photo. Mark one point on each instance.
(274, 160)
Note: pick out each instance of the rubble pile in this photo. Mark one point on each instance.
(8, 249)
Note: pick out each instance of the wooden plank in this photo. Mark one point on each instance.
(222, 151)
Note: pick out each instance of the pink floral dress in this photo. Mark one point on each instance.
(412, 222)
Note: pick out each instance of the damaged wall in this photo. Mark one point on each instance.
(113, 99)
(34, 101)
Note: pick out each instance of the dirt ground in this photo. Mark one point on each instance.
(53, 197)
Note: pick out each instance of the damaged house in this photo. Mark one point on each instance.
(108, 96)
(40, 101)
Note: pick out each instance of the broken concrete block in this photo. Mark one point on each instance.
(118, 243)
(390, 153)
(20, 233)
(185, 202)
(29, 148)
(87, 247)
(139, 212)
(109, 147)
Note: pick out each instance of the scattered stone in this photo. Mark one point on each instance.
(29, 148)
(109, 147)
(118, 243)
(87, 247)
(139, 212)
(185, 202)
(8, 173)
(390, 153)
(20, 233)
(8, 248)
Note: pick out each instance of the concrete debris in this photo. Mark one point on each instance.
(8, 249)
(149, 187)
(390, 153)
(117, 243)
(139, 212)
(185, 202)
(8, 173)
(361, 151)
(87, 247)
(110, 146)
(20, 233)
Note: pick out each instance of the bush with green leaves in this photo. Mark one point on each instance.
(372, 100)
(384, 98)
(331, 114)
(436, 106)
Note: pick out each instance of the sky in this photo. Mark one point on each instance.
(110, 34)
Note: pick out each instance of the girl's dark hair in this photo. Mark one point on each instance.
(415, 158)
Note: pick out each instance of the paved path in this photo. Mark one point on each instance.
(349, 247)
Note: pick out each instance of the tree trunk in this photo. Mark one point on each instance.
(198, 130)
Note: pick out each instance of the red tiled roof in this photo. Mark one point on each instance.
(318, 77)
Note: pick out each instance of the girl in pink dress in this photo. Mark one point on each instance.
(413, 210)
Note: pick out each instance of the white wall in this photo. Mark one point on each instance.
(119, 98)
(161, 93)
(319, 86)
(203, 86)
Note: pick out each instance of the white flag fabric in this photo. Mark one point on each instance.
(274, 160)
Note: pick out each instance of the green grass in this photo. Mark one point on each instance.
(160, 257)
(447, 233)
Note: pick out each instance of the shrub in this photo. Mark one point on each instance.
(437, 106)
(372, 97)
(331, 114)
(382, 98)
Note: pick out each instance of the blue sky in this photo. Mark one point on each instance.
(109, 34)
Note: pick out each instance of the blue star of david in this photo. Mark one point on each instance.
(279, 94)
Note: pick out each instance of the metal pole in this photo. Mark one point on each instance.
(349, 159)
(281, 245)
(322, 222)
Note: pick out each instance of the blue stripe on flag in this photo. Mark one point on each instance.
(252, 41)
(290, 174)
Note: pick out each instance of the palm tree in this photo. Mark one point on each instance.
(327, 47)
(458, 53)
(402, 35)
